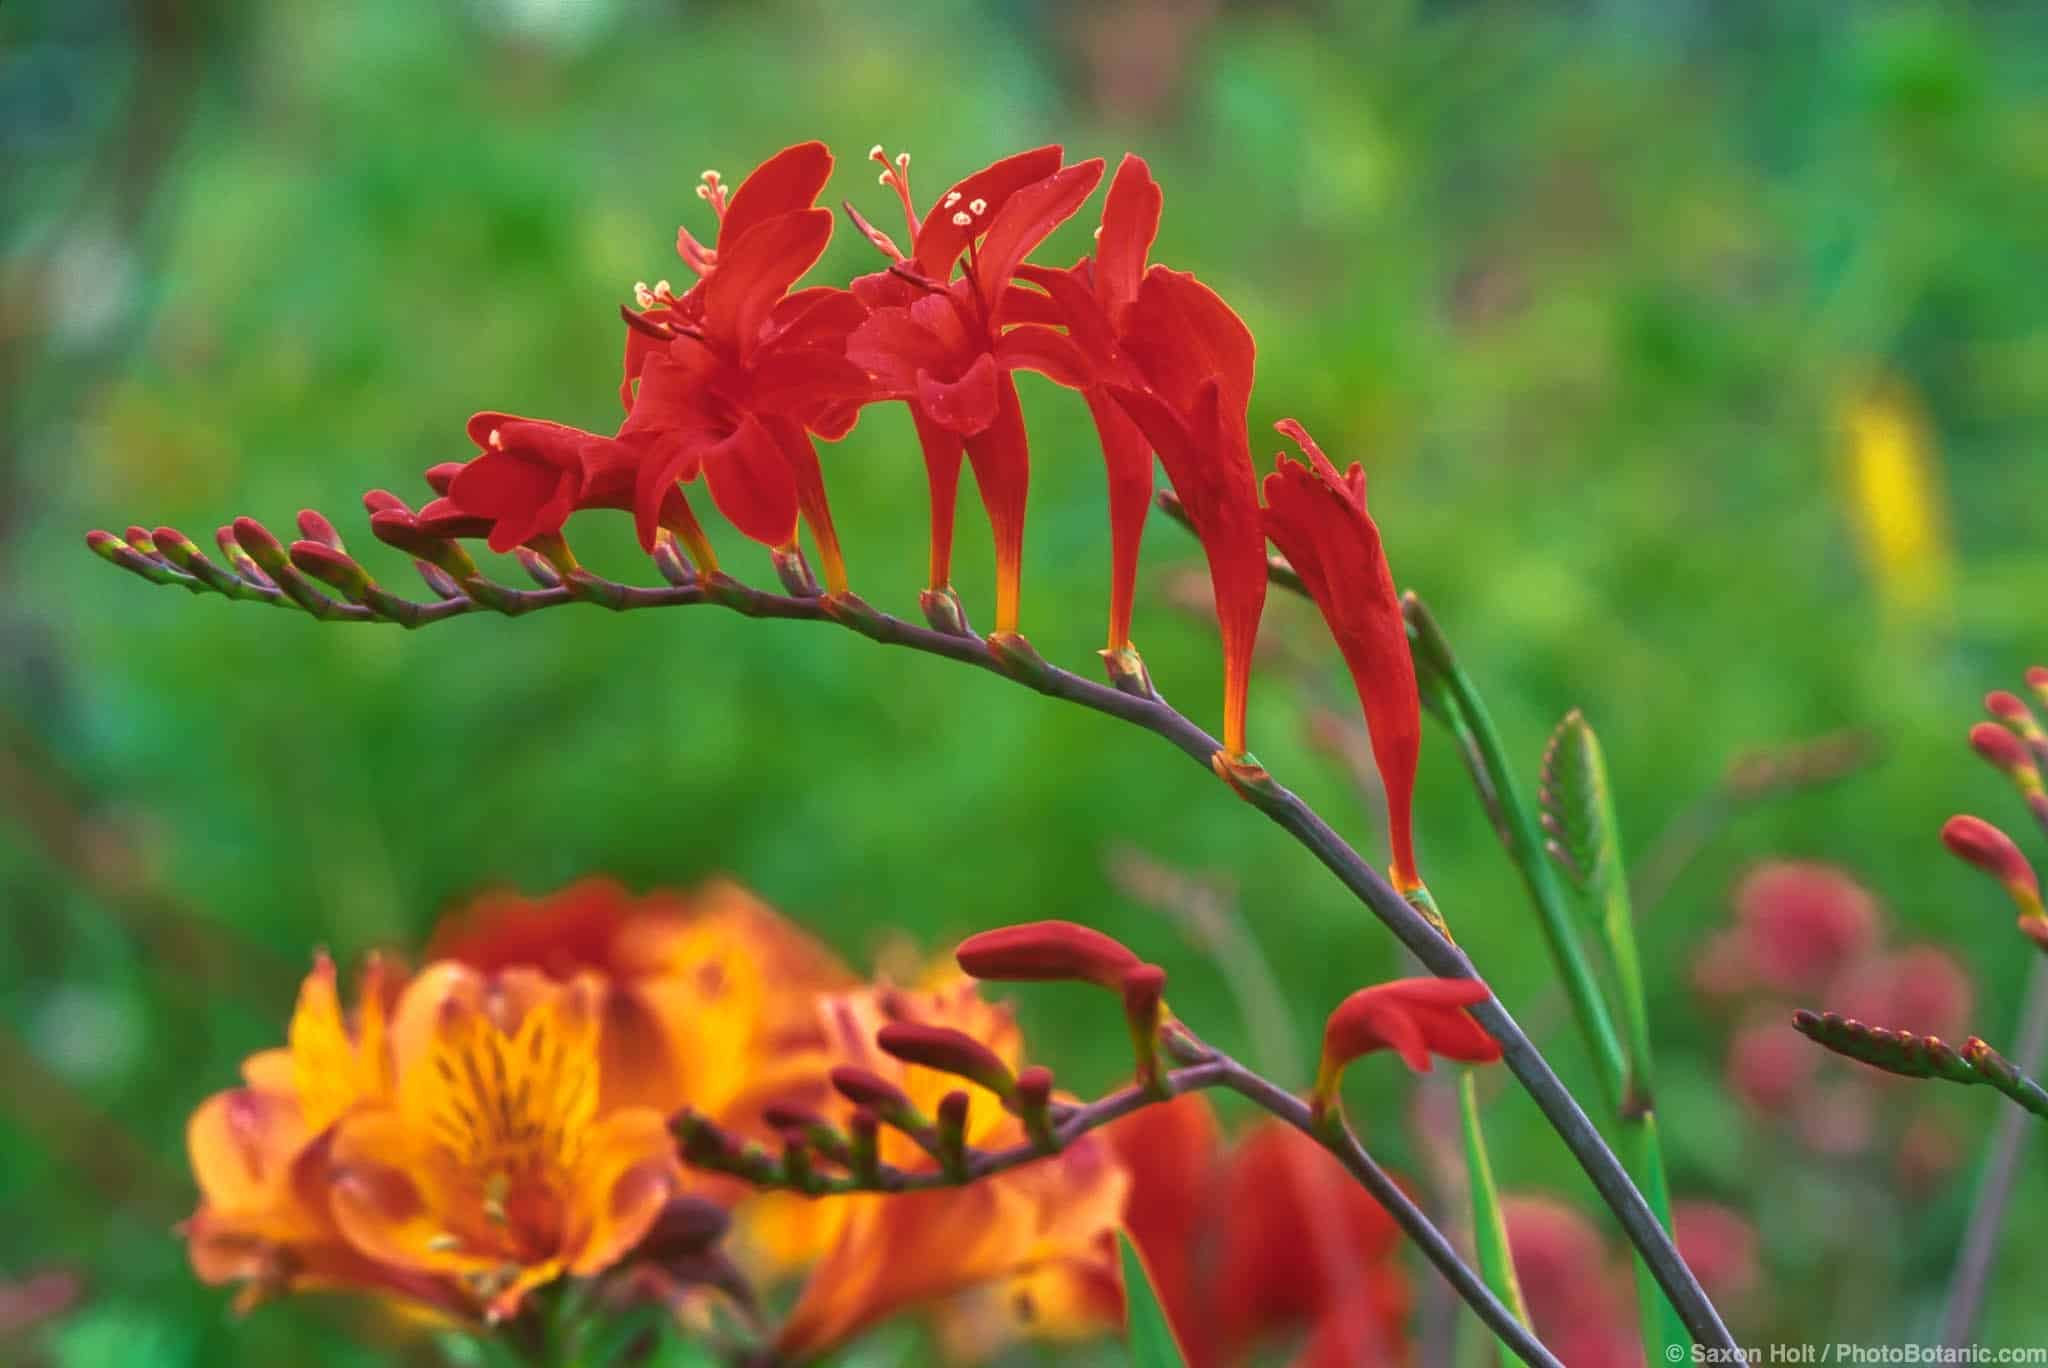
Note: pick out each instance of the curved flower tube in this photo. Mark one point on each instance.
(1319, 521)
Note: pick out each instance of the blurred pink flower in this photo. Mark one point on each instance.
(1922, 989)
(1578, 1296)
(1770, 1065)
(1720, 1245)
(1802, 921)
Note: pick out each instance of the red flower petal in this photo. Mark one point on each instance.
(787, 182)
(967, 405)
(940, 241)
(1130, 220)
(756, 271)
(1027, 219)
(752, 484)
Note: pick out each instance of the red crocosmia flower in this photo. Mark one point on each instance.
(1415, 1018)
(1319, 521)
(735, 376)
(528, 477)
(1092, 301)
(1173, 1152)
(1197, 357)
(1304, 1246)
(938, 343)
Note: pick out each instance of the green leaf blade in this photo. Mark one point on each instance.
(1151, 1337)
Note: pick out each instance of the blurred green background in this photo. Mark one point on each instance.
(1588, 288)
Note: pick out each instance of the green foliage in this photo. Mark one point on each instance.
(1583, 293)
(1151, 1340)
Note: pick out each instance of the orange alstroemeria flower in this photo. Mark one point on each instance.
(1045, 1227)
(706, 995)
(492, 1164)
(261, 1155)
(1319, 521)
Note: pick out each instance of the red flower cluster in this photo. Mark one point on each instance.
(733, 380)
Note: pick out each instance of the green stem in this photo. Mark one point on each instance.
(1489, 1223)
(1480, 743)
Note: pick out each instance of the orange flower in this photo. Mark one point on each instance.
(492, 1164)
(703, 994)
(1042, 1230)
(260, 1154)
(1319, 521)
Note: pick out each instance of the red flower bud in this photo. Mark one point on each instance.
(1144, 991)
(2037, 680)
(870, 1090)
(1037, 952)
(1414, 1017)
(1975, 841)
(1999, 746)
(948, 1051)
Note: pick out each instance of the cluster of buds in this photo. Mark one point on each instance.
(1415, 1018)
(1921, 1056)
(2015, 745)
(733, 381)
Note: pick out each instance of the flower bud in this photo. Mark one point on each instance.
(2037, 680)
(952, 1135)
(314, 526)
(1976, 842)
(441, 478)
(1046, 951)
(948, 1051)
(1143, 991)
(2001, 749)
(686, 1226)
(1034, 1106)
(864, 1140)
(864, 1088)
(330, 566)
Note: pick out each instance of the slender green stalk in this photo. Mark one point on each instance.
(1489, 1223)
(1456, 699)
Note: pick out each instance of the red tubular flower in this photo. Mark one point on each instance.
(1043, 951)
(1197, 358)
(1319, 521)
(1415, 1018)
(529, 475)
(733, 378)
(937, 342)
(1092, 300)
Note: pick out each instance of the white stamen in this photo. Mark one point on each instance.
(875, 153)
(979, 206)
(703, 192)
(903, 161)
(496, 441)
(661, 286)
(1097, 234)
(961, 220)
(643, 296)
(951, 200)
(710, 178)
(886, 178)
